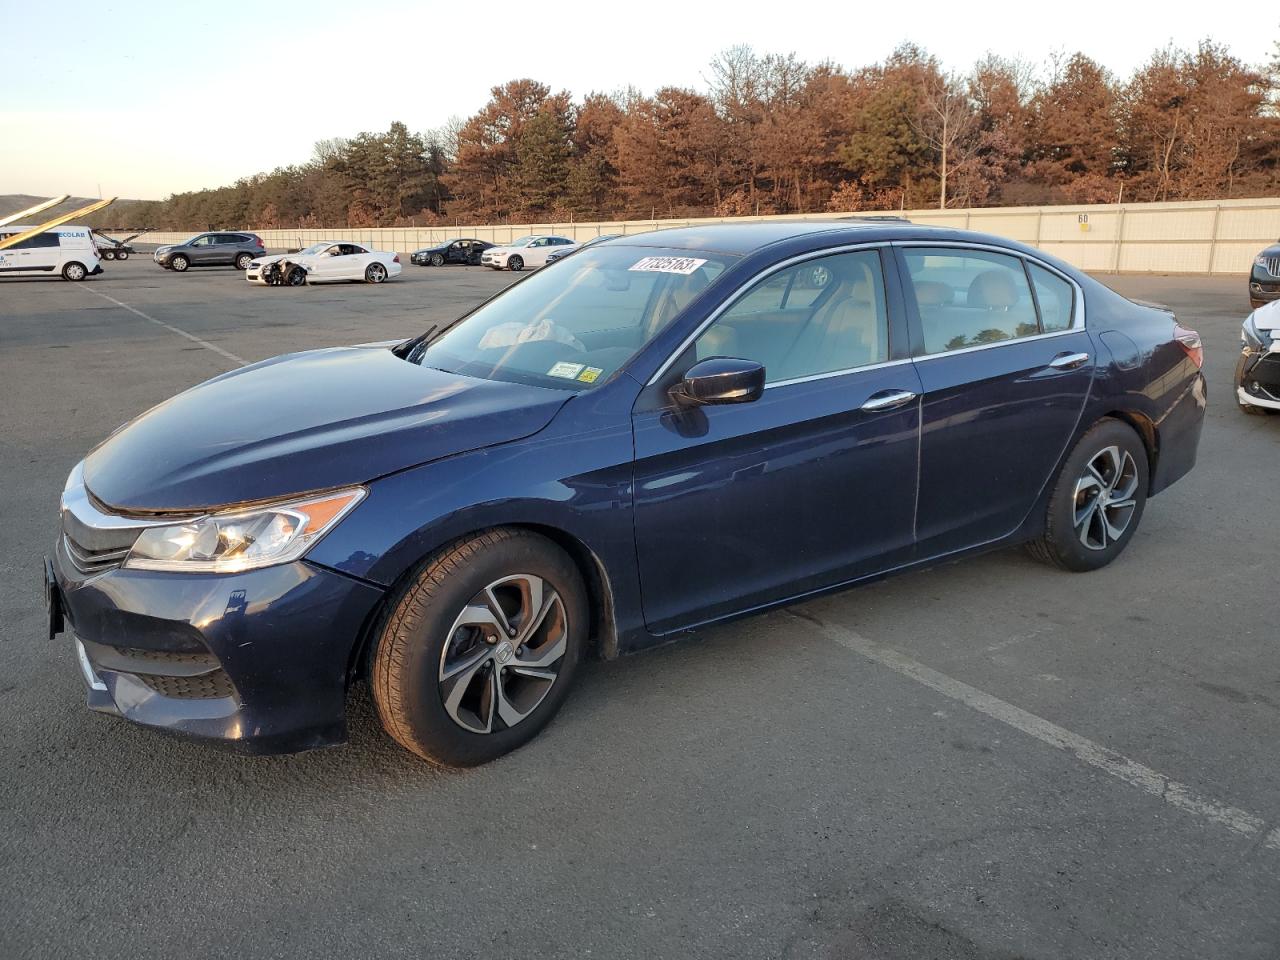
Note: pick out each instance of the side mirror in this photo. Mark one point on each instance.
(720, 380)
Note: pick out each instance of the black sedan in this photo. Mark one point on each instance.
(665, 431)
(466, 252)
(1264, 278)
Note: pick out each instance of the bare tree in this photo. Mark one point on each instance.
(945, 119)
(328, 149)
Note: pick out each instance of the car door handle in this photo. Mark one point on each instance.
(1069, 361)
(887, 400)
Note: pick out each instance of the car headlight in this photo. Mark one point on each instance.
(1252, 337)
(242, 540)
(1259, 261)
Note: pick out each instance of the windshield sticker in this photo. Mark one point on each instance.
(569, 371)
(683, 265)
(590, 375)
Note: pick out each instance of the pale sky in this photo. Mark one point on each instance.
(142, 100)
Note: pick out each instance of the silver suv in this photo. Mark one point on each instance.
(211, 250)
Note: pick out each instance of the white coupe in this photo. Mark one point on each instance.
(326, 262)
(529, 251)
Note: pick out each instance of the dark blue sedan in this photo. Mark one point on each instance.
(668, 430)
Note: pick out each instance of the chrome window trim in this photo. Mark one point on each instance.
(758, 278)
(838, 373)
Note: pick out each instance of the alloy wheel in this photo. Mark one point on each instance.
(504, 654)
(376, 273)
(1105, 498)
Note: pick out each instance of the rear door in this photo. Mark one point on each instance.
(812, 484)
(1005, 366)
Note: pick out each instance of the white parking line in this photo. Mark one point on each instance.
(172, 329)
(1095, 754)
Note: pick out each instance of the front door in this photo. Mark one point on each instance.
(811, 485)
(1005, 367)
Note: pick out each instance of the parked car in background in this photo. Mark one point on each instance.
(561, 254)
(665, 431)
(1258, 369)
(1264, 278)
(466, 252)
(331, 261)
(211, 250)
(531, 251)
(67, 250)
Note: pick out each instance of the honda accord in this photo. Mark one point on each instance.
(669, 430)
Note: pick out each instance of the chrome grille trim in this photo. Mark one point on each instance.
(1273, 266)
(96, 541)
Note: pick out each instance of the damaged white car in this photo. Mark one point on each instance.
(325, 263)
(1258, 370)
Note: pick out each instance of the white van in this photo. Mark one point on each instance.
(67, 250)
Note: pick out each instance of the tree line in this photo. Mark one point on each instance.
(771, 134)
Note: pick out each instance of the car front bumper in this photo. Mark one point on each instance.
(1258, 377)
(258, 661)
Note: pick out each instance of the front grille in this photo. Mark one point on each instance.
(205, 686)
(1273, 266)
(90, 561)
(169, 657)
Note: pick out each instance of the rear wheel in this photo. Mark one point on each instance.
(179, 263)
(74, 271)
(243, 260)
(1098, 499)
(108, 255)
(437, 260)
(515, 264)
(375, 273)
(480, 649)
(122, 254)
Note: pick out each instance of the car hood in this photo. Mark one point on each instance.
(439, 249)
(295, 258)
(1271, 251)
(505, 249)
(302, 422)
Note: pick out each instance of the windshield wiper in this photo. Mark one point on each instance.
(412, 350)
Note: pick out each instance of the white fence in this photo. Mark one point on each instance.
(1205, 236)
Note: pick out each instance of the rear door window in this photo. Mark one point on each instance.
(969, 298)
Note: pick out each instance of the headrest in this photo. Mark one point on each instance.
(930, 293)
(993, 290)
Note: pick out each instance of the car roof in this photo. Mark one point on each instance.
(739, 239)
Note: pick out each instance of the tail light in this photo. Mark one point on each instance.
(1189, 341)
(257, 242)
(396, 258)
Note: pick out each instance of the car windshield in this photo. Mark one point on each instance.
(574, 326)
(313, 249)
(521, 241)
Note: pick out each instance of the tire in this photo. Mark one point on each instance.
(1110, 460)
(179, 263)
(437, 260)
(75, 271)
(243, 260)
(426, 634)
(122, 254)
(375, 273)
(108, 255)
(515, 264)
(297, 278)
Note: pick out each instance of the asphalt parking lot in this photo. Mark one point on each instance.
(990, 759)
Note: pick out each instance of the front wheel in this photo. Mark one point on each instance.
(1097, 502)
(437, 260)
(515, 264)
(74, 271)
(375, 273)
(480, 649)
(179, 263)
(122, 254)
(108, 255)
(243, 260)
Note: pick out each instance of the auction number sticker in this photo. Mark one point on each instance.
(683, 265)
